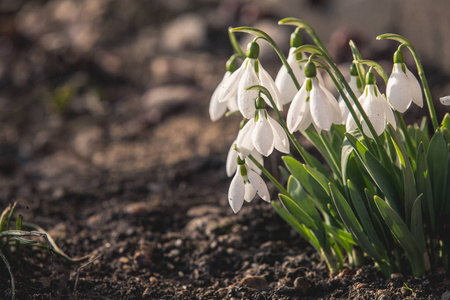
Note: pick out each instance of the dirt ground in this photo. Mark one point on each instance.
(106, 142)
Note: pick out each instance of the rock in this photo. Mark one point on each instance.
(255, 282)
(397, 276)
(384, 295)
(302, 284)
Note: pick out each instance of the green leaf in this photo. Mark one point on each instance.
(308, 182)
(297, 211)
(403, 236)
(437, 158)
(377, 171)
(417, 225)
(344, 238)
(409, 185)
(302, 230)
(363, 214)
(423, 184)
(354, 227)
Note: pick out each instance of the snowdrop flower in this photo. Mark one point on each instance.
(245, 185)
(217, 109)
(314, 104)
(376, 107)
(248, 74)
(356, 86)
(283, 80)
(445, 100)
(402, 87)
(233, 153)
(262, 133)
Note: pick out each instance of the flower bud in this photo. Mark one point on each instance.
(260, 103)
(310, 70)
(398, 57)
(370, 78)
(231, 64)
(296, 38)
(253, 50)
(353, 70)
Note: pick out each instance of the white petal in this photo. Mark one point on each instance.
(229, 86)
(353, 83)
(236, 192)
(416, 90)
(280, 139)
(231, 160)
(320, 109)
(246, 99)
(335, 109)
(262, 136)
(387, 111)
(284, 82)
(398, 89)
(297, 109)
(344, 110)
(232, 104)
(376, 114)
(244, 139)
(250, 192)
(259, 185)
(269, 84)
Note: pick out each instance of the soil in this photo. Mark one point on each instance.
(106, 143)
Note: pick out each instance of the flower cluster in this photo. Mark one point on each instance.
(382, 182)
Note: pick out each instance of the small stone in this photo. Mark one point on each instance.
(445, 295)
(142, 259)
(301, 284)
(153, 280)
(255, 282)
(397, 276)
(124, 260)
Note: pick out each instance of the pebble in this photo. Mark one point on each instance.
(301, 284)
(124, 260)
(153, 280)
(255, 282)
(397, 276)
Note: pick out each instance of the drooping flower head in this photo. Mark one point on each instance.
(356, 86)
(216, 108)
(283, 80)
(375, 106)
(262, 133)
(402, 87)
(248, 74)
(313, 104)
(245, 185)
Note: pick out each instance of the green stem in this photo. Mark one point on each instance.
(357, 56)
(235, 44)
(426, 89)
(269, 176)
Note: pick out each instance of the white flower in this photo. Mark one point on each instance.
(244, 186)
(353, 83)
(262, 133)
(232, 157)
(445, 100)
(377, 109)
(317, 106)
(284, 81)
(248, 74)
(403, 88)
(217, 109)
